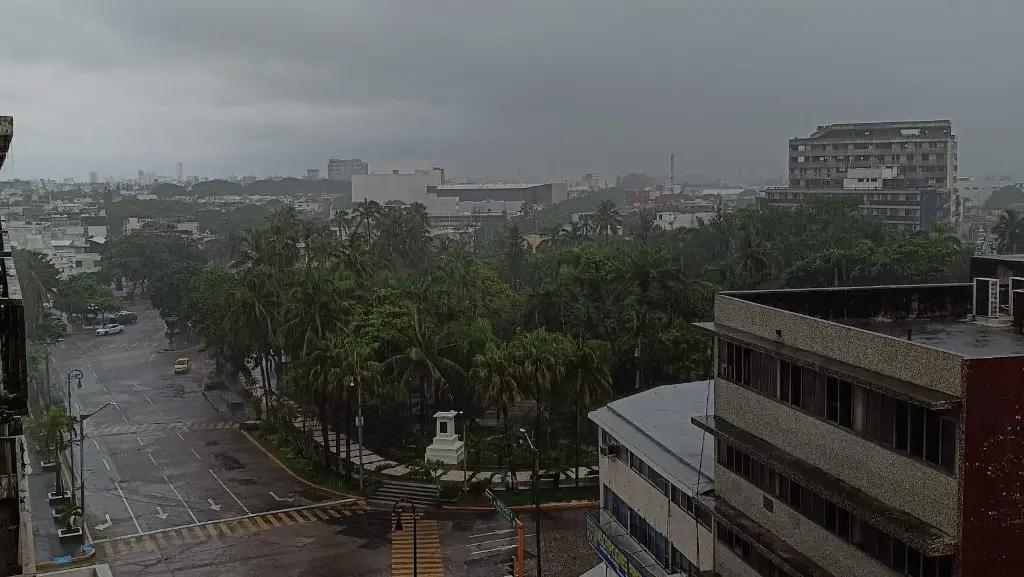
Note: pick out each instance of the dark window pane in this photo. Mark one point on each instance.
(917, 431)
(818, 509)
(730, 457)
(884, 552)
(820, 397)
(873, 415)
(888, 425)
(932, 434)
(913, 562)
(807, 393)
(945, 566)
(786, 379)
(830, 516)
(899, 555)
(795, 490)
(783, 488)
(843, 523)
(947, 456)
(773, 377)
(845, 404)
(902, 422)
(928, 566)
(832, 399)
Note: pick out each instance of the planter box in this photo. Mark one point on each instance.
(74, 533)
(48, 465)
(58, 496)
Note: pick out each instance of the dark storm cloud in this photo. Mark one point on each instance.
(547, 88)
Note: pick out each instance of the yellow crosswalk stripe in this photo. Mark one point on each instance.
(308, 515)
(270, 519)
(251, 526)
(284, 519)
(259, 521)
(150, 545)
(334, 513)
(185, 536)
(298, 516)
(199, 533)
(122, 549)
(321, 514)
(212, 530)
(108, 549)
(160, 540)
(224, 529)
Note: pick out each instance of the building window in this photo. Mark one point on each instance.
(918, 432)
(835, 519)
(742, 548)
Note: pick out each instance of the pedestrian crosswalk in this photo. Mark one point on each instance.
(195, 425)
(158, 540)
(424, 548)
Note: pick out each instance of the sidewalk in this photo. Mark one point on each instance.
(376, 463)
(48, 548)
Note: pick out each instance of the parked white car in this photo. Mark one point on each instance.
(109, 330)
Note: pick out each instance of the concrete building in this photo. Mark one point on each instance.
(338, 169)
(395, 186)
(312, 174)
(880, 191)
(924, 154)
(656, 484)
(547, 193)
(871, 431)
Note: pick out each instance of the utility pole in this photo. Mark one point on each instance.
(81, 459)
(359, 424)
(72, 374)
(536, 495)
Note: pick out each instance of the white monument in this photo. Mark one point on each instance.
(446, 447)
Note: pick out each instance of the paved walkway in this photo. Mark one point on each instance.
(373, 462)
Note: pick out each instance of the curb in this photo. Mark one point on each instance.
(543, 507)
(192, 348)
(310, 484)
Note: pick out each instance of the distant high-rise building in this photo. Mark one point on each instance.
(923, 154)
(180, 172)
(312, 174)
(338, 169)
(94, 177)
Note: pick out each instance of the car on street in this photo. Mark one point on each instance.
(111, 329)
(124, 317)
(182, 365)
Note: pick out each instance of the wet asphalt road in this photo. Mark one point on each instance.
(161, 461)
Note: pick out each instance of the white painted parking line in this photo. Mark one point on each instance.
(136, 386)
(95, 444)
(244, 508)
(151, 458)
(496, 540)
(104, 388)
(139, 439)
(126, 506)
(502, 532)
(196, 454)
(505, 548)
(105, 463)
(190, 513)
(149, 400)
(179, 435)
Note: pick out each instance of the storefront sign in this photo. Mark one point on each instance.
(624, 565)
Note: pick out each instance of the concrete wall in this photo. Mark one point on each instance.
(832, 553)
(899, 481)
(407, 188)
(674, 523)
(727, 564)
(910, 361)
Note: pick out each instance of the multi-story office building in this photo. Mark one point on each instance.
(870, 431)
(656, 485)
(312, 174)
(925, 154)
(338, 169)
(880, 192)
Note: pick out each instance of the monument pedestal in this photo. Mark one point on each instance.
(446, 447)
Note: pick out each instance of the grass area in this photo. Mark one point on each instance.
(559, 495)
(291, 457)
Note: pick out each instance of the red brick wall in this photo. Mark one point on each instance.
(992, 468)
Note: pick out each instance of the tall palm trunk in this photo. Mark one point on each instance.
(576, 474)
(325, 433)
(423, 407)
(337, 431)
(348, 438)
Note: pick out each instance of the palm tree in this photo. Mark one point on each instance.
(55, 430)
(426, 361)
(540, 357)
(589, 382)
(607, 219)
(38, 277)
(1008, 230)
(495, 381)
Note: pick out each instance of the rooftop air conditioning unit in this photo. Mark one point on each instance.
(986, 297)
(609, 450)
(1016, 284)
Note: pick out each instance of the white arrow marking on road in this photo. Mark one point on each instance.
(103, 526)
(213, 505)
(160, 513)
(289, 499)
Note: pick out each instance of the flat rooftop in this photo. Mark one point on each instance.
(937, 316)
(656, 424)
(967, 339)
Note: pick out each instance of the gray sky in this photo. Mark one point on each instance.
(550, 88)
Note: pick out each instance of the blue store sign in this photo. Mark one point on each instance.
(623, 564)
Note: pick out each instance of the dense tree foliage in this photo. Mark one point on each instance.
(599, 309)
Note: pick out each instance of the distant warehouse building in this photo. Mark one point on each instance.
(548, 193)
(395, 186)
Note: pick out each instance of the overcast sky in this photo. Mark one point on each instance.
(546, 88)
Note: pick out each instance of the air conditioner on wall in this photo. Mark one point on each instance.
(609, 450)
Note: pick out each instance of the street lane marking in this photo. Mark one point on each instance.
(149, 399)
(501, 532)
(196, 454)
(135, 385)
(485, 551)
(151, 458)
(190, 513)
(105, 463)
(139, 439)
(179, 435)
(134, 520)
(95, 444)
(244, 508)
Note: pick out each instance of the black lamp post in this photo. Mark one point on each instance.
(400, 508)
(81, 457)
(536, 496)
(72, 374)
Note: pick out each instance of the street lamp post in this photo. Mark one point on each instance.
(536, 495)
(465, 442)
(81, 457)
(359, 425)
(397, 511)
(72, 374)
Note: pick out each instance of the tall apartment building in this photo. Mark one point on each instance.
(870, 431)
(338, 169)
(924, 154)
